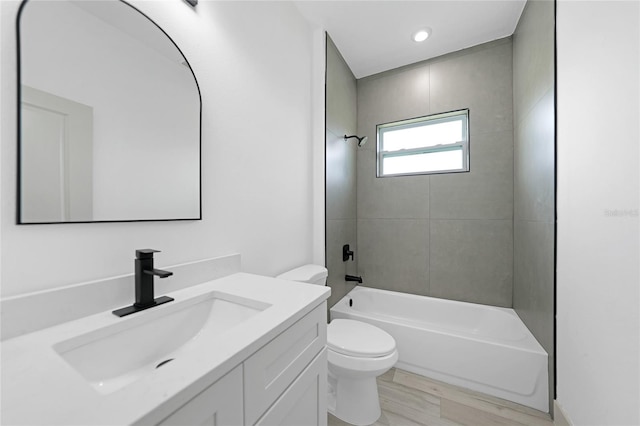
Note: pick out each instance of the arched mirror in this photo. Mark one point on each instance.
(109, 116)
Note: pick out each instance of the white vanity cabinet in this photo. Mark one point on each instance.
(219, 404)
(304, 402)
(282, 383)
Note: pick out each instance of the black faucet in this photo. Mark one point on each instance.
(144, 284)
(353, 278)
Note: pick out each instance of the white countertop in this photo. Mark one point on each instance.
(39, 387)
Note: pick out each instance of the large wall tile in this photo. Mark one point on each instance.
(533, 56)
(534, 278)
(405, 197)
(486, 191)
(340, 171)
(340, 177)
(341, 97)
(533, 284)
(535, 162)
(480, 81)
(394, 254)
(471, 260)
(478, 78)
(391, 96)
(394, 95)
(339, 233)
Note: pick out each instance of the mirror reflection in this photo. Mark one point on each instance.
(109, 118)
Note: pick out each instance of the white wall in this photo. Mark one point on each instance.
(318, 130)
(253, 61)
(598, 322)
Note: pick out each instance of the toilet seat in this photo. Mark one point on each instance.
(355, 366)
(359, 339)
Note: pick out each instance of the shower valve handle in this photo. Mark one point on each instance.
(346, 253)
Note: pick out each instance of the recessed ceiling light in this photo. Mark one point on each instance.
(421, 35)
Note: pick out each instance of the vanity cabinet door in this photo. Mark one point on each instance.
(219, 404)
(273, 368)
(304, 402)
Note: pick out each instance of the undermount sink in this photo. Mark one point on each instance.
(112, 357)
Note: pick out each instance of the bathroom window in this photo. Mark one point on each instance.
(433, 144)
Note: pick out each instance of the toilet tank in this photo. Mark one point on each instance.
(312, 274)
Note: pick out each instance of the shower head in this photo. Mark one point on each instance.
(361, 140)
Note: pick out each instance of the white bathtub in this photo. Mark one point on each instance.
(483, 348)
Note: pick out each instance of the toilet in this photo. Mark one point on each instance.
(358, 352)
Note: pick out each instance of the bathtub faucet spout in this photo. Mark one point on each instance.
(353, 278)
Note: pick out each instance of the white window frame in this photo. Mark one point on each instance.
(425, 121)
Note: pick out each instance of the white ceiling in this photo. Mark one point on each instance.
(375, 36)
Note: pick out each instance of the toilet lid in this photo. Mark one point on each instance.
(357, 338)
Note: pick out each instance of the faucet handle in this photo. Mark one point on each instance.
(146, 253)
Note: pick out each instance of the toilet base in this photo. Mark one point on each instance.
(354, 400)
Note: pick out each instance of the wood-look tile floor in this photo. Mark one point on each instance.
(408, 399)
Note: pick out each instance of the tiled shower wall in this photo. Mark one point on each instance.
(446, 235)
(534, 214)
(340, 173)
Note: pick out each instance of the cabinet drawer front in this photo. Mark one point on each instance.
(219, 404)
(268, 372)
(304, 403)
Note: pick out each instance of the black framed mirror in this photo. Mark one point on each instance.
(109, 117)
